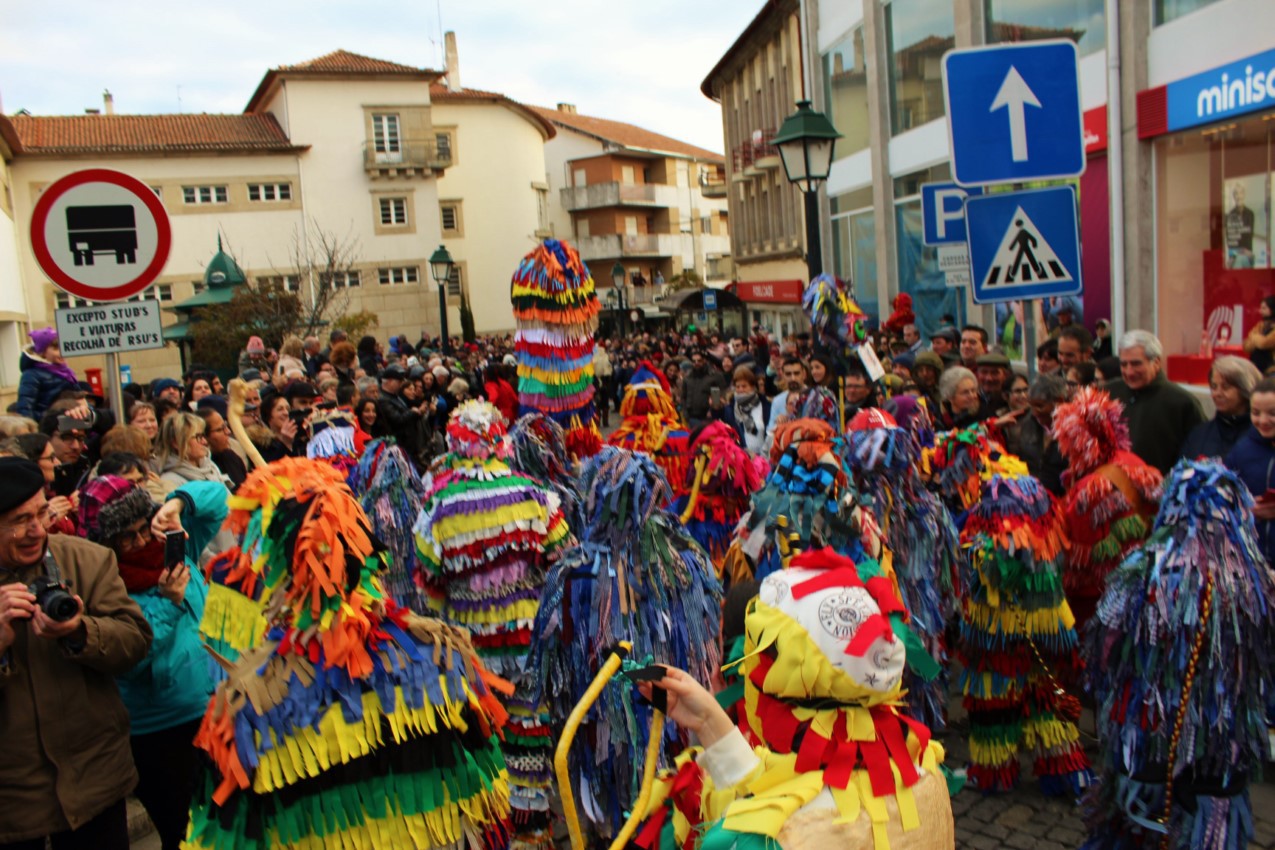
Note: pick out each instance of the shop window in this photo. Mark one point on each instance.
(846, 92)
(1168, 10)
(1213, 233)
(854, 257)
(919, 273)
(1081, 21)
(918, 32)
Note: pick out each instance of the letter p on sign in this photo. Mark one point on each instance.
(943, 212)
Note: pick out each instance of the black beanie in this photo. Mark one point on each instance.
(22, 480)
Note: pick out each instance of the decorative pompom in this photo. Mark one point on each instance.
(1090, 429)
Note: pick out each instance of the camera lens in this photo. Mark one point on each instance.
(59, 605)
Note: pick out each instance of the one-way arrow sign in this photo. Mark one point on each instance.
(989, 146)
(1013, 96)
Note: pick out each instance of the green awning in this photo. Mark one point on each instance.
(178, 331)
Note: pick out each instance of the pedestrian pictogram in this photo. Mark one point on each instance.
(1024, 244)
(1024, 256)
(100, 235)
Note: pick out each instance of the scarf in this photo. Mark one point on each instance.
(62, 370)
(744, 407)
(141, 569)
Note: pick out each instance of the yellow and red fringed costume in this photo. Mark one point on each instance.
(1017, 635)
(651, 425)
(842, 764)
(1112, 495)
(555, 306)
(353, 722)
(484, 538)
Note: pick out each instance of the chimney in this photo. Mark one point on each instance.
(569, 108)
(453, 61)
(108, 100)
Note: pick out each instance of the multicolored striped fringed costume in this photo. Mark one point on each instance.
(554, 305)
(652, 425)
(1180, 659)
(719, 486)
(636, 576)
(485, 537)
(353, 722)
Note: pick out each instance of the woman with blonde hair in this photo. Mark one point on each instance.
(182, 455)
(1231, 383)
(291, 356)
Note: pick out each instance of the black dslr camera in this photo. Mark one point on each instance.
(52, 594)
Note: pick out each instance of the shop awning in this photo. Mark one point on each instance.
(769, 291)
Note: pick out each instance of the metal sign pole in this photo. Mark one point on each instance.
(115, 392)
(1029, 338)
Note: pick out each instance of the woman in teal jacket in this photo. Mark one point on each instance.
(167, 693)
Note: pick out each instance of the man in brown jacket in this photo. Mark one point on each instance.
(65, 765)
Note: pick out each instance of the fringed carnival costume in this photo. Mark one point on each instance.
(538, 449)
(920, 538)
(840, 326)
(1112, 495)
(484, 538)
(842, 765)
(636, 576)
(1017, 633)
(389, 489)
(650, 424)
(555, 306)
(354, 723)
(722, 480)
(805, 503)
(336, 438)
(1180, 657)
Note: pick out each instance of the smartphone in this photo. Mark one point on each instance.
(715, 394)
(174, 549)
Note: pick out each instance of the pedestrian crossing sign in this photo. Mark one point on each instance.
(1023, 244)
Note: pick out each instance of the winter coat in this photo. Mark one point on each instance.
(172, 684)
(1160, 416)
(66, 755)
(696, 389)
(1253, 459)
(1216, 437)
(39, 385)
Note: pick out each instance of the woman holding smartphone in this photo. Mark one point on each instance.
(167, 693)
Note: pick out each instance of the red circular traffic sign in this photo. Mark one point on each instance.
(101, 234)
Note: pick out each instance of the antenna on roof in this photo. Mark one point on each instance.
(438, 7)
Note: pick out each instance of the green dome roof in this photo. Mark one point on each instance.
(222, 270)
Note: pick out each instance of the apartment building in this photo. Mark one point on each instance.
(343, 149)
(758, 82)
(13, 308)
(626, 195)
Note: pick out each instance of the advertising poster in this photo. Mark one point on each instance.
(1245, 227)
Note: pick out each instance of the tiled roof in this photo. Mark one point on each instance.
(625, 135)
(9, 135)
(67, 134)
(440, 93)
(338, 63)
(345, 62)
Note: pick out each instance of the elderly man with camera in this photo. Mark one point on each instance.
(67, 629)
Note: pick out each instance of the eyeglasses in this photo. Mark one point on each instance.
(139, 536)
(73, 437)
(201, 437)
(21, 526)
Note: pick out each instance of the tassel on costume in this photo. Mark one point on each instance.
(650, 424)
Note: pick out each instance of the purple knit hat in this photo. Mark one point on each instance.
(109, 504)
(42, 338)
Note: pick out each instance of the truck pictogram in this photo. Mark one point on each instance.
(102, 230)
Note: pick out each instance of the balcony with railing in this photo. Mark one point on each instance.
(599, 195)
(614, 245)
(713, 187)
(409, 158)
(756, 155)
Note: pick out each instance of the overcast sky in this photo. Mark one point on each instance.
(640, 61)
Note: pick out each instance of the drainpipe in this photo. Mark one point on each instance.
(1115, 169)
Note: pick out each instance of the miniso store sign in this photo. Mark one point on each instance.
(1235, 89)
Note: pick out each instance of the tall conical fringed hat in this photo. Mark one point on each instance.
(555, 306)
(354, 722)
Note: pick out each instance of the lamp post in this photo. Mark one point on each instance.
(440, 268)
(618, 286)
(805, 142)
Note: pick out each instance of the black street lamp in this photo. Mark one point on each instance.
(440, 268)
(805, 142)
(618, 286)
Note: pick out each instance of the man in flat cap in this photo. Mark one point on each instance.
(65, 764)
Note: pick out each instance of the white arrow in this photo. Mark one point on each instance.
(1014, 95)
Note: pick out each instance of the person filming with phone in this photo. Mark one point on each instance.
(157, 549)
(67, 629)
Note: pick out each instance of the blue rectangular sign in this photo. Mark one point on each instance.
(1234, 89)
(1024, 244)
(1013, 112)
(710, 299)
(943, 212)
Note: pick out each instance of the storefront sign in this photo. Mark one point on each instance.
(1243, 86)
(769, 291)
(1095, 130)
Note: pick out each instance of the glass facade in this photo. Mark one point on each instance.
(1213, 232)
(1081, 21)
(854, 247)
(846, 92)
(1168, 10)
(919, 274)
(918, 32)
